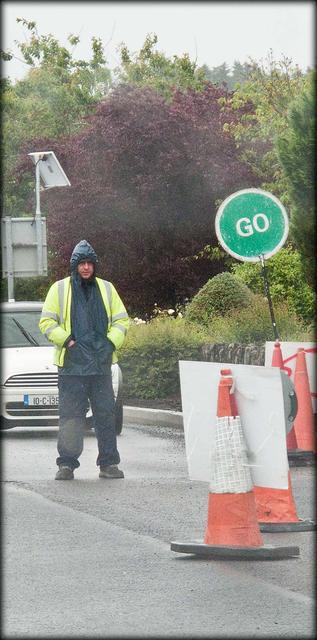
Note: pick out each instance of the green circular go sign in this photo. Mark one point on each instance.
(251, 223)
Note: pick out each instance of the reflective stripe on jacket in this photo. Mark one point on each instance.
(55, 320)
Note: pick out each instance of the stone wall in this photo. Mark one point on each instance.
(235, 353)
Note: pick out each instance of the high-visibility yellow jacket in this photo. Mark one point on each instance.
(55, 320)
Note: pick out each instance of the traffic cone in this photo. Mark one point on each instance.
(277, 358)
(277, 361)
(231, 505)
(304, 422)
(276, 510)
(291, 441)
(232, 527)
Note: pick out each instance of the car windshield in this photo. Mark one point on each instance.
(20, 329)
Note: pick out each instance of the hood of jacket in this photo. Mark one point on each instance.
(82, 251)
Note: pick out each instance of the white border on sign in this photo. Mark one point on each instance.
(220, 212)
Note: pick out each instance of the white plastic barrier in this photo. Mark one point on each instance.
(259, 396)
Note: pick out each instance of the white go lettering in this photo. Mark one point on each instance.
(246, 227)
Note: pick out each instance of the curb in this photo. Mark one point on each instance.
(152, 417)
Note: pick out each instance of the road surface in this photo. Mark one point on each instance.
(91, 558)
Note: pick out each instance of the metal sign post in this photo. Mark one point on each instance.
(252, 225)
(38, 224)
(269, 299)
(8, 240)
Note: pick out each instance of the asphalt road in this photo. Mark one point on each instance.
(91, 558)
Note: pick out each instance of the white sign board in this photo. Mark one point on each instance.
(19, 247)
(259, 396)
(289, 353)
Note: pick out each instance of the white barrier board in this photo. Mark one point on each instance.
(259, 397)
(289, 353)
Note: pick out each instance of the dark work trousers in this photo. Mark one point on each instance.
(74, 393)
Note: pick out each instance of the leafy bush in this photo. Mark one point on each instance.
(149, 358)
(286, 281)
(218, 296)
(253, 324)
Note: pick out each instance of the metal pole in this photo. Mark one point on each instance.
(8, 227)
(38, 220)
(268, 295)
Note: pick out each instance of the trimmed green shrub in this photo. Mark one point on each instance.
(221, 294)
(254, 325)
(149, 358)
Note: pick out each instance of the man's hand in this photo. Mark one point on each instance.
(71, 343)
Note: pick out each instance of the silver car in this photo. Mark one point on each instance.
(29, 391)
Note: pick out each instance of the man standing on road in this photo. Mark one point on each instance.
(86, 320)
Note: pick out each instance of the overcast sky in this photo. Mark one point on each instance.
(210, 32)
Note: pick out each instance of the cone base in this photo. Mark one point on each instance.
(300, 458)
(276, 527)
(267, 552)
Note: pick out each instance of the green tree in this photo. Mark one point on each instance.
(275, 136)
(296, 152)
(53, 99)
(240, 73)
(218, 75)
(154, 69)
(231, 77)
(266, 96)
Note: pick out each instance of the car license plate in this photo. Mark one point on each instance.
(40, 401)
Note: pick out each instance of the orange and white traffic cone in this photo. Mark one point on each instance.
(304, 422)
(276, 510)
(231, 505)
(277, 358)
(291, 442)
(232, 528)
(277, 361)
